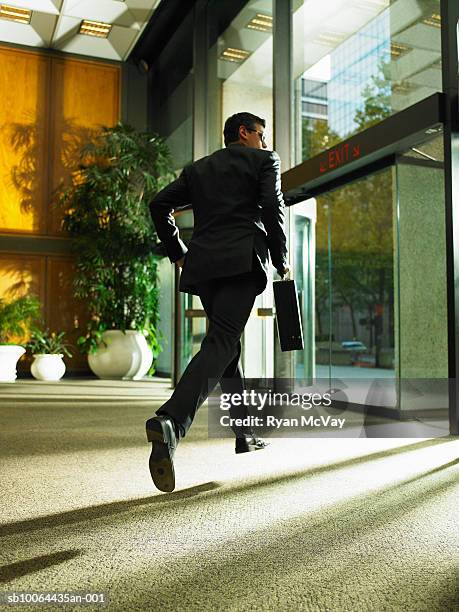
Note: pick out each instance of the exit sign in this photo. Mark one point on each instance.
(334, 158)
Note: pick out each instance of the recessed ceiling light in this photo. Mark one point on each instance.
(331, 38)
(95, 28)
(231, 54)
(13, 13)
(404, 87)
(261, 22)
(398, 49)
(434, 20)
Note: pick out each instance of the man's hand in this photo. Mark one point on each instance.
(179, 263)
(285, 273)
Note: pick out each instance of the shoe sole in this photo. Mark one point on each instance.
(251, 448)
(160, 462)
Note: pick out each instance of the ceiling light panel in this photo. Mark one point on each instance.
(14, 13)
(330, 38)
(231, 54)
(434, 20)
(95, 28)
(55, 24)
(404, 87)
(398, 49)
(115, 47)
(261, 22)
(107, 11)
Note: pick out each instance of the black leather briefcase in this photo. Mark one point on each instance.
(288, 315)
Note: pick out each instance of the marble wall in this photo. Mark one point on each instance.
(422, 301)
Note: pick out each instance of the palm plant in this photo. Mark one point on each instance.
(106, 212)
(16, 316)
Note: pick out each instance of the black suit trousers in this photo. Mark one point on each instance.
(227, 302)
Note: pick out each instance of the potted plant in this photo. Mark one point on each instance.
(106, 212)
(48, 349)
(16, 316)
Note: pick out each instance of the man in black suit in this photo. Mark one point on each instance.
(238, 211)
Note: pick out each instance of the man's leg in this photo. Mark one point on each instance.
(232, 380)
(230, 301)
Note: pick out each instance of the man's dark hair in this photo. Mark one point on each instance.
(232, 124)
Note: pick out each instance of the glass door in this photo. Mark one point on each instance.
(345, 259)
(370, 266)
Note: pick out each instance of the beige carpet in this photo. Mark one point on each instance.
(331, 524)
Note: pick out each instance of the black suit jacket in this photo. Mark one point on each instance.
(238, 208)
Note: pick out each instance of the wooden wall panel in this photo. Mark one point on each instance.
(23, 163)
(22, 275)
(50, 105)
(85, 96)
(63, 311)
(50, 278)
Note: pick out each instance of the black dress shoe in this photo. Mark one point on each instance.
(161, 432)
(250, 443)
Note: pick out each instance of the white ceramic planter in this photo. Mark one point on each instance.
(9, 356)
(48, 367)
(127, 356)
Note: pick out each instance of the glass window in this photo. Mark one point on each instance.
(171, 88)
(361, 62)
(240, 69)
(177, 122)
(240, 78)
